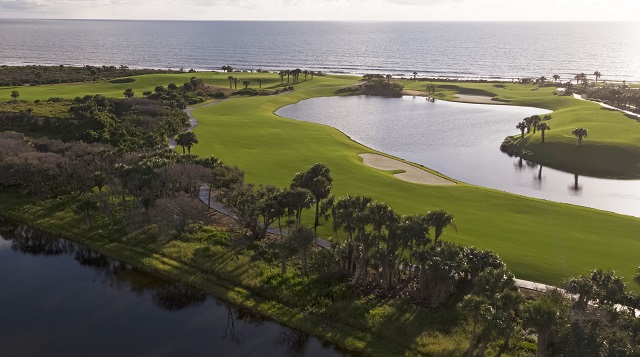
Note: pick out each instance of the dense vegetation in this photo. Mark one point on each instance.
(37, 75)
(390, 285)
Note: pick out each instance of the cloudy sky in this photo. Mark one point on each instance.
(367, 10)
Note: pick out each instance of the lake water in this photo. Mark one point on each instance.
(434, 49)
(59, 298)
(462, 141)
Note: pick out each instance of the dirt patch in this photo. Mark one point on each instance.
(410, 174)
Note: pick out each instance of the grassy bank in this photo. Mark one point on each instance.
(365, 324)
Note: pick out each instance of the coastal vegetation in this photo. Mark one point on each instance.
(38, 75)
(391, 285)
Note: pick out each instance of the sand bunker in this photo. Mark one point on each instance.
(480, 99)
(410, 174)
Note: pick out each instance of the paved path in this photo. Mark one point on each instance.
(192, 120)
(578, 96)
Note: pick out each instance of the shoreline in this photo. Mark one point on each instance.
(396, 73)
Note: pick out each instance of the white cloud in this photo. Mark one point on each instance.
(478, 10)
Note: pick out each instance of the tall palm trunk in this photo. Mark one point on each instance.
(472, 340)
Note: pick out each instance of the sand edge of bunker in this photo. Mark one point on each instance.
(410, 173)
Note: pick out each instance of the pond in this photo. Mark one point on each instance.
(462, 141)
(59, 298)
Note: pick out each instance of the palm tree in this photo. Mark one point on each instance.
(288, 73)
(580, 133)
(187, 140)
(246, 83)
(479, 311)
(415, 74)
(543, 127)
(535, 120)
(296, 75)
(597, 74)
(543, 316)
(556, 77)
(522, 127)
(259, 83)
(230, 78)
(282, 74)
(15, 95)
(306, 73)
(439, 220)
(542, 79)
(317, 180)
(527, 122)
(388, 76)
(235, 83)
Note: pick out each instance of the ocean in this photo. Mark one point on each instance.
(471, 50)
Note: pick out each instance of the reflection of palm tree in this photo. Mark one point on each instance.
(575, 186)
(230, 331)
(540, 173)
(295, 341)
(519, 164)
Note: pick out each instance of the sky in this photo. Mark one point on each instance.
(336, 10)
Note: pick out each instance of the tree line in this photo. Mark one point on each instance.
(36, 75)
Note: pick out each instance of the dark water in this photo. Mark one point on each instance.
(462, 141)
(59, 298)
(434, 49)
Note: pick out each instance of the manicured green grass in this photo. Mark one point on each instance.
(540, 241)
(612, 149)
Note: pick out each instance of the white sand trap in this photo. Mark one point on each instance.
(479, 99)
(410, 174)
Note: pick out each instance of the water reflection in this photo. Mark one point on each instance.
(575, 188)
(53, 288)
(294, 341)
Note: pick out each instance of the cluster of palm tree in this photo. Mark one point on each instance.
(295, 73)
(186, 140)
(581, 77)
(383, 248)
(535, 121)
(227, 68)
(379, 249)
(598, 321)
